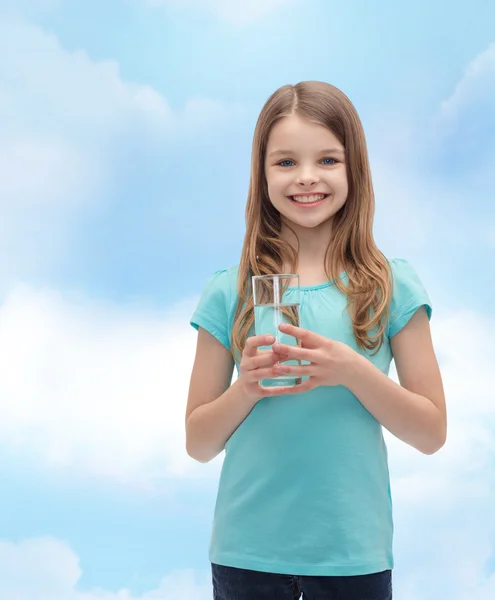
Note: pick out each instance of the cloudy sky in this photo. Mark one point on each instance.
(125, 133)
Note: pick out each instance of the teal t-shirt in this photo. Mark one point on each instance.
(304, 487)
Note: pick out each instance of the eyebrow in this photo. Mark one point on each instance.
(327, 151)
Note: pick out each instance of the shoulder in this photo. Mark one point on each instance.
(221, 288)
(214, 308)
(224, 280)
(408, 294)
(404, 275)
(401, 267)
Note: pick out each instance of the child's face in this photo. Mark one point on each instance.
(304, 159)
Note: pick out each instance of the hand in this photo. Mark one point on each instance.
(257, 365)
(331, 363)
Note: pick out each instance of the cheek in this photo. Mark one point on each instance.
(345, 188)
(276, 185)
(341, 185)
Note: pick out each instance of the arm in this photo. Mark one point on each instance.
(215, 409)
(415, 410)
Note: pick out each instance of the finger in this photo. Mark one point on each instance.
(309, 338)
(277, 390)
(264, 358)
(300, 388)
(260, 374)
(295, 352)
(297, 371)
(252, 343)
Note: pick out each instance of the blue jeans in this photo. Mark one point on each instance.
(230, 583)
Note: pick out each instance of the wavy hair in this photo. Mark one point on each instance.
(353, 249)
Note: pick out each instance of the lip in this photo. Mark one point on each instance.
(309, 194)
(309, 205)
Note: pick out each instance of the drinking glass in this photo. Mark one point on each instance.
(272, 307)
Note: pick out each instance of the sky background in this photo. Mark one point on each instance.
(125, 139)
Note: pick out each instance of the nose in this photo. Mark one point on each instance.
(307, 177)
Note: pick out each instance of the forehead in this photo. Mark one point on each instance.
(299, 134)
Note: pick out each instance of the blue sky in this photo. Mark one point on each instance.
(124, 162)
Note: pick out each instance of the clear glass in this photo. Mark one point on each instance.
(272, 308)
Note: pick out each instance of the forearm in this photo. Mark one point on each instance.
(412, 418)
(210, 425)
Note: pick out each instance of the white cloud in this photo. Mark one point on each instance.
(48, 569)
(96, 387)
(43, 182)
(466, 126)
(58, 112)
(443, 503)
(236, 12)
(62, 117)
(461, 137)
(64, 100)
(63, 89)
(476, 86)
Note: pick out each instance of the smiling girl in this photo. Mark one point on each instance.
(304, 503)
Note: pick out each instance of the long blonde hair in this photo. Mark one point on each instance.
(353, 248)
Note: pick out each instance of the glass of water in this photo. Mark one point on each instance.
(273, 305)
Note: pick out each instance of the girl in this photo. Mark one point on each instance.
(304, 503)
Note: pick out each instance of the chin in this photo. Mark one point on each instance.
(314, 224)
(309, 221)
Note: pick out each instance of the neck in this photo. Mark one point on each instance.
(313, 245)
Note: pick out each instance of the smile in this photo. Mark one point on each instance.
(308, 200)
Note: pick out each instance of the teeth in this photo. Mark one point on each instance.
(308, 199)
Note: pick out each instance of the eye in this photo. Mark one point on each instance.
(283, 163)
(324, 161)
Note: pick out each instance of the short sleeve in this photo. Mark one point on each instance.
(409, 294)
(212, 310)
